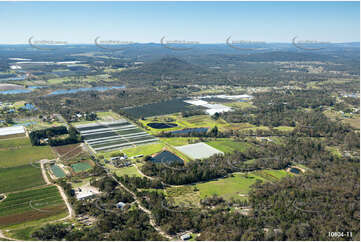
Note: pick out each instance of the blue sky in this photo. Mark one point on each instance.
(206, 22)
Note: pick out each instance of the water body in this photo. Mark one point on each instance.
(191, 130)
(13, 79)
(57, 171)
(162, 125)
(295, 170)
(84, 89)
(20, 91)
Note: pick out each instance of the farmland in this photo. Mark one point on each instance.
(160, 108)
(30, 205)
(119, 134)
(147, 149)
(19, 151)
(18, 178)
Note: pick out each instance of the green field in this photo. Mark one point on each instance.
(229, 187)
(30, 205)
(229, 145)
(19, 178)
(146, 149)
(106, 116)
(19, 151)
(130, 171)
(285, 128)
(238, 185)
(80, 167)
(184, 195)
(179, 141)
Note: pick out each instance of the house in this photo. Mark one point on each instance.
(120, 205)
(186, 237)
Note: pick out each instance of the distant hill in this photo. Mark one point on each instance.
(166, 68)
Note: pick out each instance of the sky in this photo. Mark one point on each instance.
(204, 22)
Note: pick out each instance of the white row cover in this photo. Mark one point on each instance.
(12, 130)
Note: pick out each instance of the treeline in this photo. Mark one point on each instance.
(266, 155)
(37, 136)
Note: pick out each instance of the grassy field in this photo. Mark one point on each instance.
(354, 122)
(19, 151)
(30, 205)
(229, 145)
(284, 128)
(146, 149)
(108, 116)
(230, 187)
(184, 195)
(179, 141)
(130, 171)
(83, 79)
(239, 184)
(240, 105)
(19, 178)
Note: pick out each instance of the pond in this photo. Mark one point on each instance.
(295, 170)
(166, 157)
(20, 91)
(84, 89)
(57, 171)
(162, 125)
(190, 130)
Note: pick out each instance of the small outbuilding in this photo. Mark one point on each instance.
(186, 237)
(120, 205)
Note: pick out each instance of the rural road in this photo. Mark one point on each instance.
(5, 237)
(148, 212)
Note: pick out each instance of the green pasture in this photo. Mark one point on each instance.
(19, 178)
(229, 145)
(19, 151)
